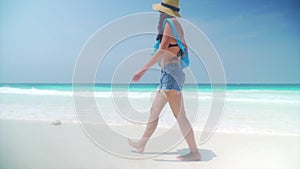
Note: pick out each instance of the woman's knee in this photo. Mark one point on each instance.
(154, 113)
(181, 116)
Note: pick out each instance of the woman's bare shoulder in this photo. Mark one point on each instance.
(178, 26)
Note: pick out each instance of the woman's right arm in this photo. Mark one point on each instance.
(158, 54)
(154, 59)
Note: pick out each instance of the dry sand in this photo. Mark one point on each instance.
(39, 145)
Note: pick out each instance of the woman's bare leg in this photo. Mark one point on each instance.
(156, 108)
(175, 100)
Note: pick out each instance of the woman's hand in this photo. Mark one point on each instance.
(137, 76)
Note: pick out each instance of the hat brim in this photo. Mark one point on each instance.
(159, 7)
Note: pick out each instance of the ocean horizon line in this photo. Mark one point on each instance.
(149, 86)
(66, 83)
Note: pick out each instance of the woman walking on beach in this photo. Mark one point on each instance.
(172, 79)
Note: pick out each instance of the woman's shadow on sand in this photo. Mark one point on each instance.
(206, 155)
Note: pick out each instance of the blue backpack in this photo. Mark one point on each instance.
(185, 61)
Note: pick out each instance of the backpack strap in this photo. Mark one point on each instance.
(185, 57)
(185, 61)
(175, 33)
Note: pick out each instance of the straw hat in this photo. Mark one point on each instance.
(170, 7)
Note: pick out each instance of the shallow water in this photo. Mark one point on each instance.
(247, 108)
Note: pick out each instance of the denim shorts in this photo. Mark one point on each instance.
(172, 77)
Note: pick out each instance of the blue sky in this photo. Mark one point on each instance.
(258, 41)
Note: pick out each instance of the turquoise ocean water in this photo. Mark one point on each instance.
(248, 108)
(150, 87)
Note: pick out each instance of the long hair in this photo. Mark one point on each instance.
(160, 29)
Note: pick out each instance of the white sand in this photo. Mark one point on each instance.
(35, 145)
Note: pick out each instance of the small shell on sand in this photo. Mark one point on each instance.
(56, 122)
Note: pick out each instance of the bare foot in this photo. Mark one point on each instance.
(193, 156)
(137, 145)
